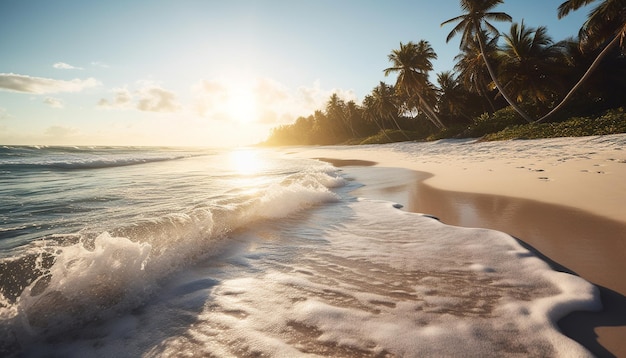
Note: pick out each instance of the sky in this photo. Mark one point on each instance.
(208, 72)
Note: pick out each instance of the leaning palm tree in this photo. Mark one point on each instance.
(470, 26)
(472, 71)
(412, 62)
(608, 18)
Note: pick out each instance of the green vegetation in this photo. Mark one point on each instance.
(613, 121)
(520, 84)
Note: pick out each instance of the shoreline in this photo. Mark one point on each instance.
(582, 234)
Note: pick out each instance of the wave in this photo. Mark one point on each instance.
(64, 281)
(87, 163)
(81, 158)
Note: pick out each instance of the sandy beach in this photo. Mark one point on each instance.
(563, 198)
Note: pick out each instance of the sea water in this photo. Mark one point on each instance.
(201, 252)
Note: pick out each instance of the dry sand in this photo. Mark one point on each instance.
(565, 198)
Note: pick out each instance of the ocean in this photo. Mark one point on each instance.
(248, 252)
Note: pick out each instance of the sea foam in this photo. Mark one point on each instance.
(383, 283)
(92, 279)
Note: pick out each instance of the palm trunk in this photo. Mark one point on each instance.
(430, 113)
(485, 93)
(495, 80)
(594, 65)
(382, 128)
(398, 126)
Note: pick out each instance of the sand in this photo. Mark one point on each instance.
(565, 198)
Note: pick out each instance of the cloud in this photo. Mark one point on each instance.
(157, 99)
(208, 96)
(39, 85)
(274, 103)
(270, 91)
(65, 66)
(149, 98)
(53, 102)
(121, 100)
(99, 64)
(60, 132)
(4, 114)
(279, 104)
(315, 97)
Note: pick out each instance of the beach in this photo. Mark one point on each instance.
(563, 198)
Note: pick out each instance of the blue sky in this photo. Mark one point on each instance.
(204, 72)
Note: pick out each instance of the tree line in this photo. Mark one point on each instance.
(523, 70)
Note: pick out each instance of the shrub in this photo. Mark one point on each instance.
(611, 122)
(493, 123)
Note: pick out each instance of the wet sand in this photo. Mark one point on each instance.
(569, 239)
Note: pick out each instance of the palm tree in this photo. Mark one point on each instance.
(472, 71)
(452, 97)
(384, 103)
(351, 116)
(412, 62)
(470, 26)
(335, 108)
(370, 112)
(530, 61)
(607, 18)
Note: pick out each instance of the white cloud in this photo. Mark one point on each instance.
(39, 85)
(99, 64)
(66, 66)
(149, 98)
(157, 99)
(315, 97)
(3, 114)
(121, 100)
(208, 95)
(60, 132)
(273, 102)
(53, 102)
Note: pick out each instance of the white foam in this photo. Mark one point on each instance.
(385, 282)
(95, 280)
(381, 282)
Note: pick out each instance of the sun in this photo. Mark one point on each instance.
(241, 105)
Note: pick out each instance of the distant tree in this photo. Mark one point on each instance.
(385, 105)
(412, 62)
(353, 119)
(371, 114)
(452, 99)
(335, 113)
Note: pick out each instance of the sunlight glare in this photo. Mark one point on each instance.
(246, 161)
(242, 105)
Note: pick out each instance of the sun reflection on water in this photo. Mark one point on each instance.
(247, 162)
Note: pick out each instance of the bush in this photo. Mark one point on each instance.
(611, 122)
(450, 132)
(496, 122)
(391, 136)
